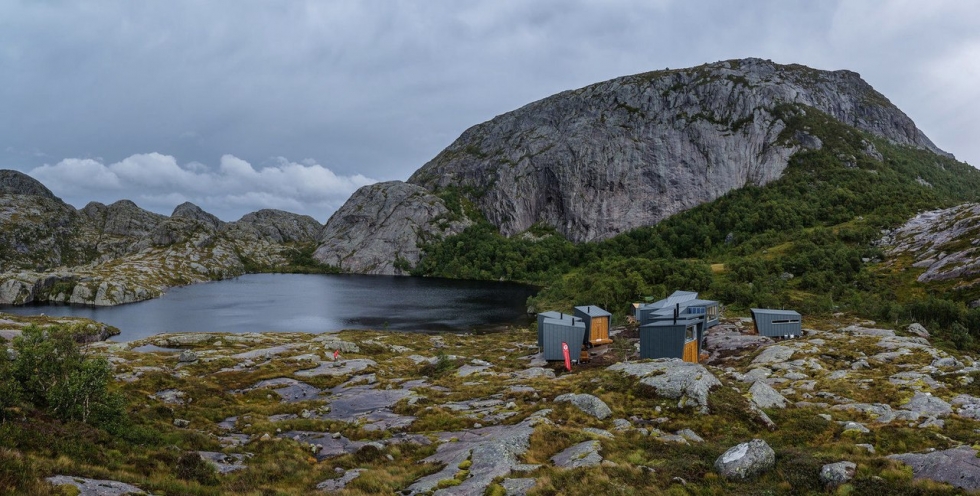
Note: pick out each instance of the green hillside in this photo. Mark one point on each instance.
(804, 241)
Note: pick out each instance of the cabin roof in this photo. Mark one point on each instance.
(680, 297)
(593, 311)
(698, 303)
(770, 311)
(571, 322)
(671, 323)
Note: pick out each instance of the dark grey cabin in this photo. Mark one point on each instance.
(554, 332)
(547, 315)
(671, 339)
(705, 308)
(685, 304)
(777, 323)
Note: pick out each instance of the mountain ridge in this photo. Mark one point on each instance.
(631, 151)
(584, 164)
(120, 253)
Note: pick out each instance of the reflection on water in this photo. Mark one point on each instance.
(312, 303)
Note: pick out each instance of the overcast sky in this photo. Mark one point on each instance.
(240, 105)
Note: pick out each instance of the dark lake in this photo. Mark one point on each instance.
(312, 303)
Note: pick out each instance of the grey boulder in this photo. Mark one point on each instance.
(674, 378)
(957, 466)
(587, 403)
(746, 460)
(835, 474)
(584, 454)
(766, 397)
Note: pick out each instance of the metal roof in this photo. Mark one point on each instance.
(571, 321)
(670, 322)
(593, 311)
(698, 302)
(770, 311)
(680, 297)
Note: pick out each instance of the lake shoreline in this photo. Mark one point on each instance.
(312, 303)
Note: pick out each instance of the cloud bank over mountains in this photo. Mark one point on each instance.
(157, 182)
(378, 88)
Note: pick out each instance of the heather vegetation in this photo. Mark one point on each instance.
(228, 412)
(806, 240)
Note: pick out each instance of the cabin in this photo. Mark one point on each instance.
(541, 317)
(777, 323)
(684, 304)
(709, 309)
(680, 338)
(555, 331)
(597, 323)
(674, 327)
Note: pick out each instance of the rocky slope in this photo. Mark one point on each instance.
(946, 243)
(120, 253)
(846, 405)
(942, 246)
(384, 223)
(632, 151)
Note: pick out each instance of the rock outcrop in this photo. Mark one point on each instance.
(383, 224)
(943, 242)
(673, 378)
(111, 254)
(276, 226)
(957, 466)
(116, 228)
(835, 474)
(17, 183)
(746, 460)
(587, 403)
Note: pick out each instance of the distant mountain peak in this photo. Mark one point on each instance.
(17, 183)
(188, 210)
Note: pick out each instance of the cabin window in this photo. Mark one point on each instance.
(697, 310)
(713, 312)
(689, 333)
(786, 321)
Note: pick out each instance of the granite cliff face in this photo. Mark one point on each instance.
(632, 151)
(383, 223)
(629, 152)
(120, 253)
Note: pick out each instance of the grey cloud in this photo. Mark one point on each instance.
(379, 87)
(232, 189)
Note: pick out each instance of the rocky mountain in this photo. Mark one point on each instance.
(624, 153)
(120, 253)
(382, 224)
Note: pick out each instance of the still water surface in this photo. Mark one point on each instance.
(312, 303)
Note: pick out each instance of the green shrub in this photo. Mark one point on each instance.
(191, 467)
(9, 387)
(54, 375)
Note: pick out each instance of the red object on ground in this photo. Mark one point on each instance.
(568, 357)
(336, 353)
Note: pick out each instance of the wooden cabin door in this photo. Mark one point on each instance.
(599, 334)
(691, 351)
